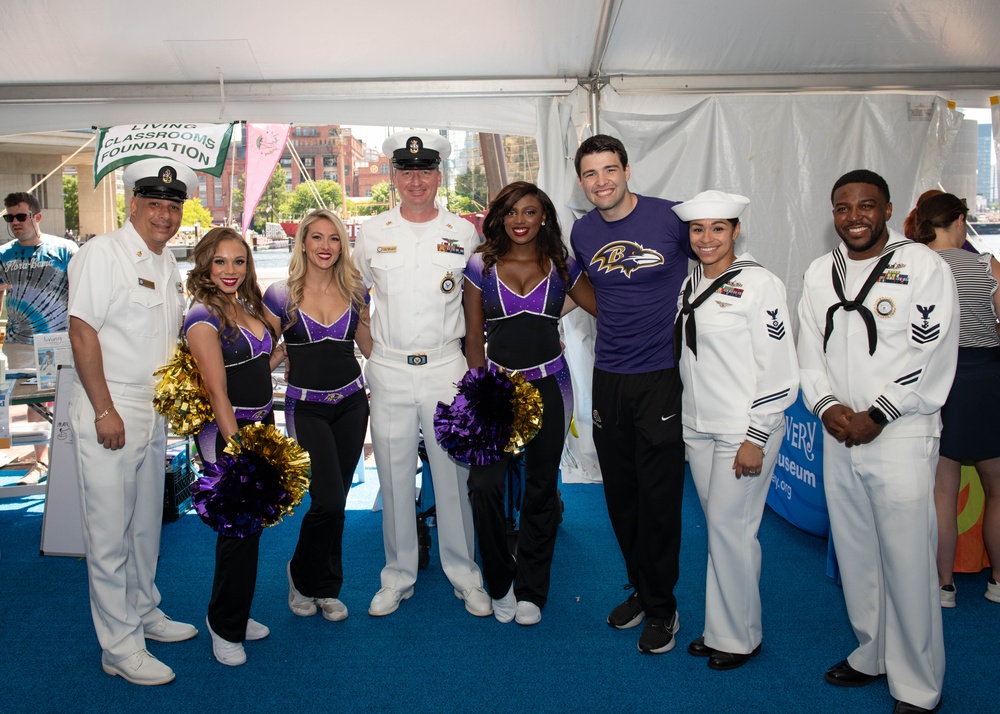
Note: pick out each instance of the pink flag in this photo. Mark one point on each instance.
(265, 142)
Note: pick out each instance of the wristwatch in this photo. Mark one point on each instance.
(878, 416)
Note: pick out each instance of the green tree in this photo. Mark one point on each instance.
(120, 204)
(457, 203)
(274, 196)
(300, 201)
(378, 203)
(380, 193)
(71, 203)
(195, 214)
(473, 184)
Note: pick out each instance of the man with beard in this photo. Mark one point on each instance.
(878, 345)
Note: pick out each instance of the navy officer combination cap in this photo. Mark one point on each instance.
(411, 150)
(160, 178)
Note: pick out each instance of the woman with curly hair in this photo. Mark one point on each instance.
(322, 311)
(233, 347)
(516, 283)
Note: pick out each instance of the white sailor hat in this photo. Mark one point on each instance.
(711, 204)
(416, 149)
(160, 178)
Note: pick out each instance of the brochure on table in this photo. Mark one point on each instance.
(51, 351)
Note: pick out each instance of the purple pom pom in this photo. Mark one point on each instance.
(476, 427)
(237, 495)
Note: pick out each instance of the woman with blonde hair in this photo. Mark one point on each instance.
(322, 310)
(233, 347)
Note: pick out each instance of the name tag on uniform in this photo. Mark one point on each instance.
(386, 249)
(147, 284)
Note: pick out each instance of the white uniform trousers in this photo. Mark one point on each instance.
(881, 502)
(733, 511)
(121, 496)
(403, 401)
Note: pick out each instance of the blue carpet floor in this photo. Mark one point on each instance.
(431, 656)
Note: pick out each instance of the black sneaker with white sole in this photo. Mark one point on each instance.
(628, 614)
(658, 635)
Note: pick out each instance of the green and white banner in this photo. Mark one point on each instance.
(202, 147)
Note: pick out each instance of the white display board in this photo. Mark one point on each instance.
(62, 523)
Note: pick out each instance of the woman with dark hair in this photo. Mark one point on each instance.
(516, 283)
(234, 349)
(910, 222)
(322, 311)
(966, 434)
(738, 366)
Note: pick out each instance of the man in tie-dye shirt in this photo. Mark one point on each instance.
(33, 280)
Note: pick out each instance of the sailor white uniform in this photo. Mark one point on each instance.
(133, 298)
(416, 322)
(880, 494)
(736, 388)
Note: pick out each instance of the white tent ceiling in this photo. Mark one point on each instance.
(68, 64)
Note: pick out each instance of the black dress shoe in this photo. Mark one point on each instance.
(698, 648)
(905, 708)
(729, 660)
(844, 675)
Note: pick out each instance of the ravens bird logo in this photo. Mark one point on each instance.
(626, 256)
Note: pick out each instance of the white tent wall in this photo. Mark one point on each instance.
(784, 152)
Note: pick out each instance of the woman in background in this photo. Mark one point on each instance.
(321, 310)
(516, 283)
(967, 433)
(234, 349)
(740, 373)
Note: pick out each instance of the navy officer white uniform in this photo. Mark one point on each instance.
(738, 366)
(125, 305)
(414, 257)
(878, 345)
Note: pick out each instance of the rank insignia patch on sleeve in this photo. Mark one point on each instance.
(775, 328)
(925, 332)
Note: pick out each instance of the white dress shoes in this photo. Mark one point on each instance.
(477, 602)
(140, 668)
(166, 630)
(386, 601)
(228, 653)
(505, 608)
(528, 613)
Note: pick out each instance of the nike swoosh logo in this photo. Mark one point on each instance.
(666, 418)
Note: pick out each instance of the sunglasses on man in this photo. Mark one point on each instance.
(19, 217)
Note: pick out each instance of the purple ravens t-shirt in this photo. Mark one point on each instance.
(637, 265)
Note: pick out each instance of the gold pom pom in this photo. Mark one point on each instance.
(527, 405)
(284, 454)
(180, 396)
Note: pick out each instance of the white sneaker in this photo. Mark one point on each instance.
(256, 631)
(297, 602)
(477, 602)
(228, 653)
(166, 630)
(332, 608)
(947, 595)
(140, 668)
(505, 608)
(528, 613)
(386, 601)
(992, 591)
